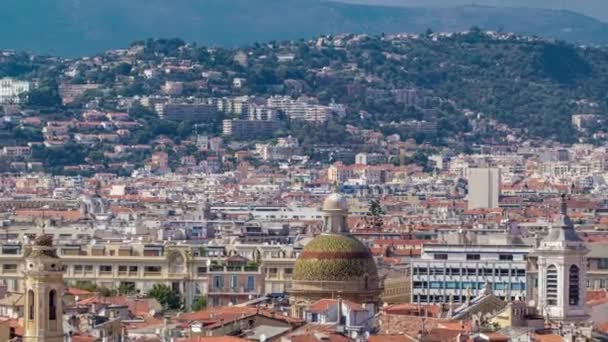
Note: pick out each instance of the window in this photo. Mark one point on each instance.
(454, 271)
(152, 269)
(505, 257)
(436, 285)
(471, 271)
(89, 268)
(518, 286)
(122, 269)
(52, 305)
(451, 285)
(272, 272)
(201, 270)
(105, 269)
(9, 268)
(12, 250)
(551, 285)
(602, 263)
(250, 283)
(503, 273)
(132, 269)
(421, 271)
(518, 273)
(288, 271)
(31, 304)
(473, 257)
(314, 317)
(436, 271)
(440, 256)
(574, 285)
(234, 281)
(469, 285)
(488, 271)
(218, 282)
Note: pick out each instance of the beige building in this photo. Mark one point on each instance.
(223, 274)
(484, 188)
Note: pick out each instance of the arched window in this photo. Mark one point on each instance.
(52, 305)
(176, 263)
(31, 304)
(574, 287)
(551, 285)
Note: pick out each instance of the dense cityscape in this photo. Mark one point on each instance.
(410, 187)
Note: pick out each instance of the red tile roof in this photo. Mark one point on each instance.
(212, 339)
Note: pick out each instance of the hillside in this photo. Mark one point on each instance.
(80, 27)
(468, 89)
(593, 8)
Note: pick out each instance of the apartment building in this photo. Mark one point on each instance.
(188, 112)
(223, 274)
(11, 90)
(250, 129)
(458, 272)
(484, 188)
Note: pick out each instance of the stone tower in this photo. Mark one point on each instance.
(44, 288)
(562, 285)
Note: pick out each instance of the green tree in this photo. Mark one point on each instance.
(165, 296)
(46, 95)
(86, 285)
(126, 289)
(200, 304)
(373, 218)
(106, 292)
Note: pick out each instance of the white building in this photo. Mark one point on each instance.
(459, 272)
(484, 188)
(562, 262)
(11, 90)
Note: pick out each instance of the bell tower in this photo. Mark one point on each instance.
(44, 287)
(562, 265)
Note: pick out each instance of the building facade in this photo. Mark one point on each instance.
(223, 274)
(459, 272)
(484, 188)
(11, 90)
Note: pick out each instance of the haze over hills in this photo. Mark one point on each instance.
(593, 8)
(76, 27)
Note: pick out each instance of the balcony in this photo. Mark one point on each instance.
(9, 270)
(216, 268)
(227, 290)
(152, 274)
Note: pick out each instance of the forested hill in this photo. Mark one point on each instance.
(79, 27)
(530, 84)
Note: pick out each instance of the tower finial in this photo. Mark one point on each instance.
(564, 205)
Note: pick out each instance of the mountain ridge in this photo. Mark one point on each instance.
(79, 27)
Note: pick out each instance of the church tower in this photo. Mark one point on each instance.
(562, 284)
(44, 287)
